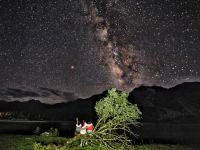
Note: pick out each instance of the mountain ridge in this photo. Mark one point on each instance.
(178, 104)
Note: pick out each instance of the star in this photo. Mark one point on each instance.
(72, 67)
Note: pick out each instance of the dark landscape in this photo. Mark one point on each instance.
(169, 115)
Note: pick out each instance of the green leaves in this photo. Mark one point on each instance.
(115, 114)
(116, 105)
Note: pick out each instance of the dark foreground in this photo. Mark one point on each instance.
(157, 132)
(25, 142)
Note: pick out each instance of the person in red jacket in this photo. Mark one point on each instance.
(90, 128)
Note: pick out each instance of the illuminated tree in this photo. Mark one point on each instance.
(116, 115)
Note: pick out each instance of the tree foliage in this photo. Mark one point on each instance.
(116, 115)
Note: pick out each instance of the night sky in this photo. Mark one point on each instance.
(77, 48)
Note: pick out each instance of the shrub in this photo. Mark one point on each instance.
(116, 115)
(37, 131)
(51, 132)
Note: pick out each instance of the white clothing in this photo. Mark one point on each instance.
(83, 129)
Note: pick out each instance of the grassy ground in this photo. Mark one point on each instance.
(22, 142)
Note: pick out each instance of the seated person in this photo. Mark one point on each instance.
(83, 129)
(90, 128)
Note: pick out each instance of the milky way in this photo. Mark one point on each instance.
(84, 47)
(148, 42)
(121, 61)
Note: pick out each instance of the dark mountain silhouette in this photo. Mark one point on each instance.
(35, 110)
(44, 95)
(180, 104)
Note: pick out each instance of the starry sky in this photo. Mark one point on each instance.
(77, 48)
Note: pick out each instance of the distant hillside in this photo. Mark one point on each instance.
(178, 104)
(35, 110)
